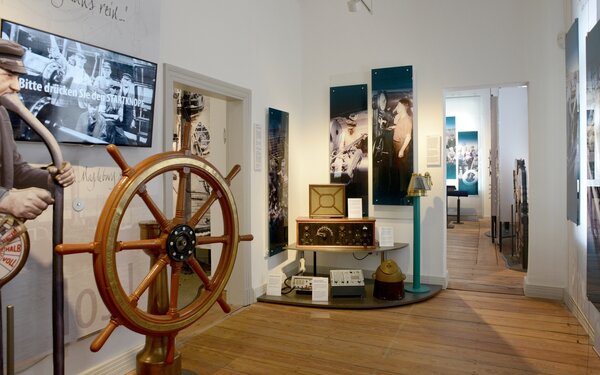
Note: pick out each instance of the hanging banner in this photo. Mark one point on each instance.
(572, 77)
(591, 144)
(468, 161)
(348, 141)
(278, 180)
(393, 134)
(450, 147)
(593, 187)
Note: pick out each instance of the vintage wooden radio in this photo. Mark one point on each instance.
(335, 232)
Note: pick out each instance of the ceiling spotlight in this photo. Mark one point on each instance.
(352, 5)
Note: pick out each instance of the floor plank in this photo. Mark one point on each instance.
(456, 332)
(475, 264)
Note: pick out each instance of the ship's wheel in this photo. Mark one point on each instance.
(173, 248)
(14, 247)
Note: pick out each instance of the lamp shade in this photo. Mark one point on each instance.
(419, 184)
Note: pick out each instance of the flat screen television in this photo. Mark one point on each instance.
(82, 93)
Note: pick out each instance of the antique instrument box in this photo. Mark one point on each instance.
(335, 232)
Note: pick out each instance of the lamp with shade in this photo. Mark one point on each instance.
(417, 188)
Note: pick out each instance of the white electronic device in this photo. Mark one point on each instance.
(347, 278)
(347, 283)
(302, 284)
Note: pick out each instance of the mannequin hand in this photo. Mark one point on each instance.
(25, 203)
(65, 177)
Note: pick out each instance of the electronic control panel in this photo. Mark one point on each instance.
(347, 278)
(344, 232)
(347, 283)
(302, 284)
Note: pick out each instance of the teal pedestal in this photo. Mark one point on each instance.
(416, 286)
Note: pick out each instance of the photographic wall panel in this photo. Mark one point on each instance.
(348, 141)
(450, 147)
(392, 92)
(467, 151)
(593, 187)
(278, 140)
(572, 77)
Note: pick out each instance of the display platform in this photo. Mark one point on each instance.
(367, 302)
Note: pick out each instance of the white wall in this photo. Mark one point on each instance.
(513, 143)
(450, 44)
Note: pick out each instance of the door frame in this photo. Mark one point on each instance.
(238, 128)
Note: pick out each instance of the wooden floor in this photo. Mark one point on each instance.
(456, 332)
(475, 264)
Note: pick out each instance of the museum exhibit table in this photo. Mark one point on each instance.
(365, 302)
(336, 249)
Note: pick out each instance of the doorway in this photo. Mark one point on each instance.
(486, 132)
(230, 123)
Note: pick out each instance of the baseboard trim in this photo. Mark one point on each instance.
(250, 296)
(542, 291)
(433, 280)
(580, 316)
(262, 289)
(121, 364)
(446, 279)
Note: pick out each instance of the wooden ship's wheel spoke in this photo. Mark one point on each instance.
(181, 194)
(174, 294)
(195, 219)
(155, 270)
(150, 244)
(154, 210)
(208, 240)
(214, 195)
(208, 286)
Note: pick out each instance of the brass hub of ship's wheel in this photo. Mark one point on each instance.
(173, 248)
(181, 243)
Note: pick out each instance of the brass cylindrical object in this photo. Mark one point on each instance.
(151, 359)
